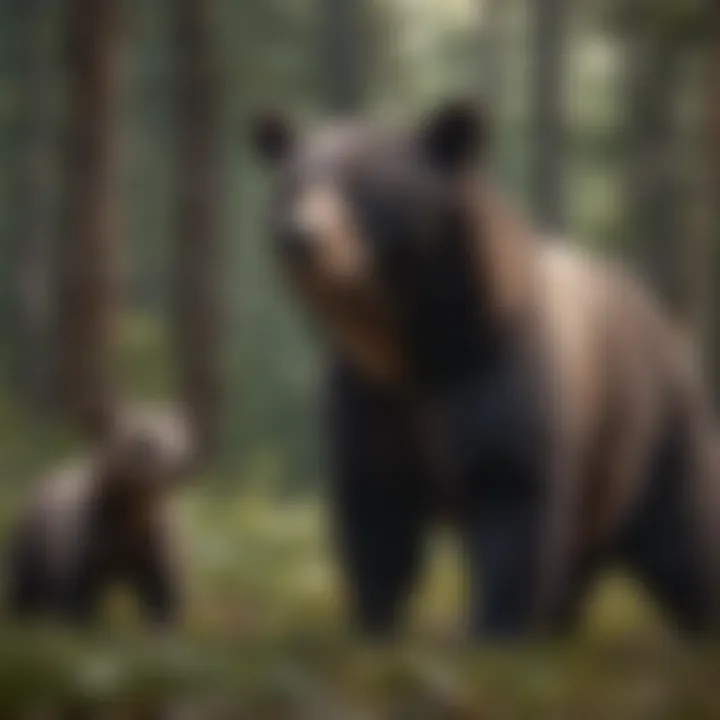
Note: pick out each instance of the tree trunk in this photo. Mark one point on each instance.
(30, 246)
(343, 58)
(653, 183)
(492, 42)
(698, 210)
(713, 159)
(548, 58)
(88, 263)
(197, 274)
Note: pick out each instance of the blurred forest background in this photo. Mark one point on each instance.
(134, 263)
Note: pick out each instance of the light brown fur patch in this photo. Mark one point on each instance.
(338, 252)
(339, 286)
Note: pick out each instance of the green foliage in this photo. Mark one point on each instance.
(28, 445)
(676, 22)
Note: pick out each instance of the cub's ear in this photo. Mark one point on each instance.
(453, 136)
(272, 136)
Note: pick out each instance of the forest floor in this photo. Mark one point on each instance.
(263, 634)
(262, 637)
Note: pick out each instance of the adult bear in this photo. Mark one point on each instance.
(532, 394)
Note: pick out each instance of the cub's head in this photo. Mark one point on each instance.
(375, 230)
(147, 451)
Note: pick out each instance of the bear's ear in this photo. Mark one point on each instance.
(272, 136)
(453, 136)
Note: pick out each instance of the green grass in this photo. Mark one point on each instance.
(264, 635)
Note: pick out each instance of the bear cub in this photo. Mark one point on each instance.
(102, 519)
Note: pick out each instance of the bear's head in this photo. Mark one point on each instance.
(379, 230)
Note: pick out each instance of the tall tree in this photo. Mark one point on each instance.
(197, 274)
(547, 108)
(493, 23)
(88, 286)
(660, 37)
(697, 232)
(30, 259)
(344, 60)
(713, 158)
(652, 86)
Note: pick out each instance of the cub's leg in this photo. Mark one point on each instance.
(43, 579)
(378, 503)
(78, 592)
(26, 591)
(154, 575)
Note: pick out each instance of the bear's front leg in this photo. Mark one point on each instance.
(498, 447)
(379, 542)
(505, 574)
(501, 553)
(378, 501)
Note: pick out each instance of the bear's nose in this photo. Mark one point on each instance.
(296, 243)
